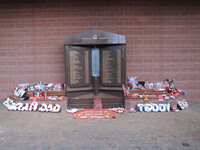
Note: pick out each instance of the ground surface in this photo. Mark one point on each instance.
(138, 131)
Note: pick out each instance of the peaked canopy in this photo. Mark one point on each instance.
(95, 37)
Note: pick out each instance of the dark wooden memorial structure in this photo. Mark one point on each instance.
(95, 68)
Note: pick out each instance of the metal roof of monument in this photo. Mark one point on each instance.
(95, 37)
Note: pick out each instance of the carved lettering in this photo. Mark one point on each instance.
(111, 67)
(79, 68)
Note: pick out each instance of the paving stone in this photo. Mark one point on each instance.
(143, 148)
(46, 148)
(2, 107)
(35, 130)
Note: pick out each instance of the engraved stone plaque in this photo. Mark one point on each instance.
(111, 64)
(78, 66)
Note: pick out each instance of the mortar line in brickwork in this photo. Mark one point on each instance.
(161, 35)
(161, 57)
(34, 39)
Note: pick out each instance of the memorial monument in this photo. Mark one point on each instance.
(95, 68)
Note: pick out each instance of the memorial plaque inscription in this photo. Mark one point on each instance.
(79, 69)
(111, 66)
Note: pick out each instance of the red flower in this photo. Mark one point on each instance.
(129, 84)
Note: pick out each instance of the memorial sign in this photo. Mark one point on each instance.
(95, 67)
(111, 66)
(147, 107)
(34, 106)
(78, 61)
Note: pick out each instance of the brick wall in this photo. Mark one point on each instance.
(163, 39)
